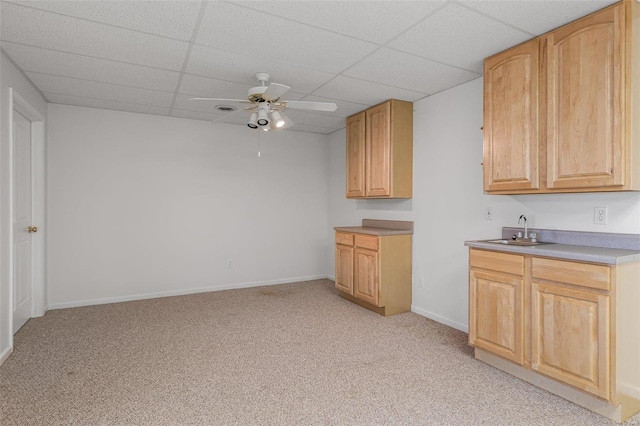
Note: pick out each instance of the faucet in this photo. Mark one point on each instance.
(520, 220)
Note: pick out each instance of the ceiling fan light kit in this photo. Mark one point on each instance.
(266, 99)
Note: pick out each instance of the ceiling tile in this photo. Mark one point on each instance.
(364, 92)
(210, 87)
(182, 102)
(104, 104)
(194, 115)
(175, 19)
(375, 21)
(91, 89)
(52, 31)
(534, 16)
(64, 64)
(391, 67)
(236, 29)
(458, 36)
(231, 66)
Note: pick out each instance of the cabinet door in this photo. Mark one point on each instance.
(585, 75)
(367, 276)
(378, 150)
(496, 314)
(344, 268)
(570, 336)
(355, 155)
(511, 147)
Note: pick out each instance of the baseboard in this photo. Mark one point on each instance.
(332, 278)
(181, 292)
(627, 389)
(440, 319)
(5, 354)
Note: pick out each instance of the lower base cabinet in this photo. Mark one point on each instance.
(374, 271)
(572, 322)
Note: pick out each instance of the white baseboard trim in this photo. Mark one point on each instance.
(628, 389)
(5, 354)
(332, 278)
(181, 292)
(440, 319)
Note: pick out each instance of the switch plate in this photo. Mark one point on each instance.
(488, 213)
(420, 282)
(600, 215)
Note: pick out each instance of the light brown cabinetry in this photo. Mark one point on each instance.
(572, 322)
(380, 151)
(558, 109)
(374, 271)
(496, 304)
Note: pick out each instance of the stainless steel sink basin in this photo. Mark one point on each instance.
(515, 242)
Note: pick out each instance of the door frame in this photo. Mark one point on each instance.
(38, 206)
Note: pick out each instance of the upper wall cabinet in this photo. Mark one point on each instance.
(558, 109)
(380, 151)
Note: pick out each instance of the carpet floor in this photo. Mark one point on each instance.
(292, 354)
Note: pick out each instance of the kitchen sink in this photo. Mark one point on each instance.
(515, 242)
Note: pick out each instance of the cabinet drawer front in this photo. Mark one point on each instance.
(342, 238)
(502, 262)
(367, 241)
(582, 274)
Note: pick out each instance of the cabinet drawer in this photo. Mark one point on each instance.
(342, 238)
(367, 241)
(502, 262)
(582, 274)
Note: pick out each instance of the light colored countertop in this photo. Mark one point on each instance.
(379, 227)
(369, 230)
(611, 256)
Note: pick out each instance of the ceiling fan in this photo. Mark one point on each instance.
(268, 107)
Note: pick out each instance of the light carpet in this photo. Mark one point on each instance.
(292, 354)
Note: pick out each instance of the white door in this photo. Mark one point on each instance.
(22, 226)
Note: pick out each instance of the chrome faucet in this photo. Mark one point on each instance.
(520, 220)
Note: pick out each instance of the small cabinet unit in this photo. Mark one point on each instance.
(496, 303)
(373, 267)
(380, 151)
(573, 323)
(561, 111)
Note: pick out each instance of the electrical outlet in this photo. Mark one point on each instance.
(600, 215)
(230, 264)
(420, 282)
(488, 213)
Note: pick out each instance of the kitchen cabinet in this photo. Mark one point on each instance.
(380, 151)
(574, 323)
(374, 271)
(496, 303)
(511, 119)
(559, 109)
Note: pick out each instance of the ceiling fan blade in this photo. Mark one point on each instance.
(315, 106)
(274, 91)
(244, 101)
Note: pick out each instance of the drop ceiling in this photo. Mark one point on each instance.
(152, 56)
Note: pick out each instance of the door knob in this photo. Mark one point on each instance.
(32, 229)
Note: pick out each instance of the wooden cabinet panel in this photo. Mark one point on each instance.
(378, 152)
(570, 337)
(585, 82)
(344, 268)
(496, 312)
(502, 262)
(367, 241)
(582, 274)
(356, 155)
(367, 276)
(511, 136)
(344, 238)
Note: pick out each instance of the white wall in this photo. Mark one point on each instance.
(10, 77)
(143, 205)
(448, 202)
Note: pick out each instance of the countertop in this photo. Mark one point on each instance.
(594, 247)
(605, 255)
(379, 227)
